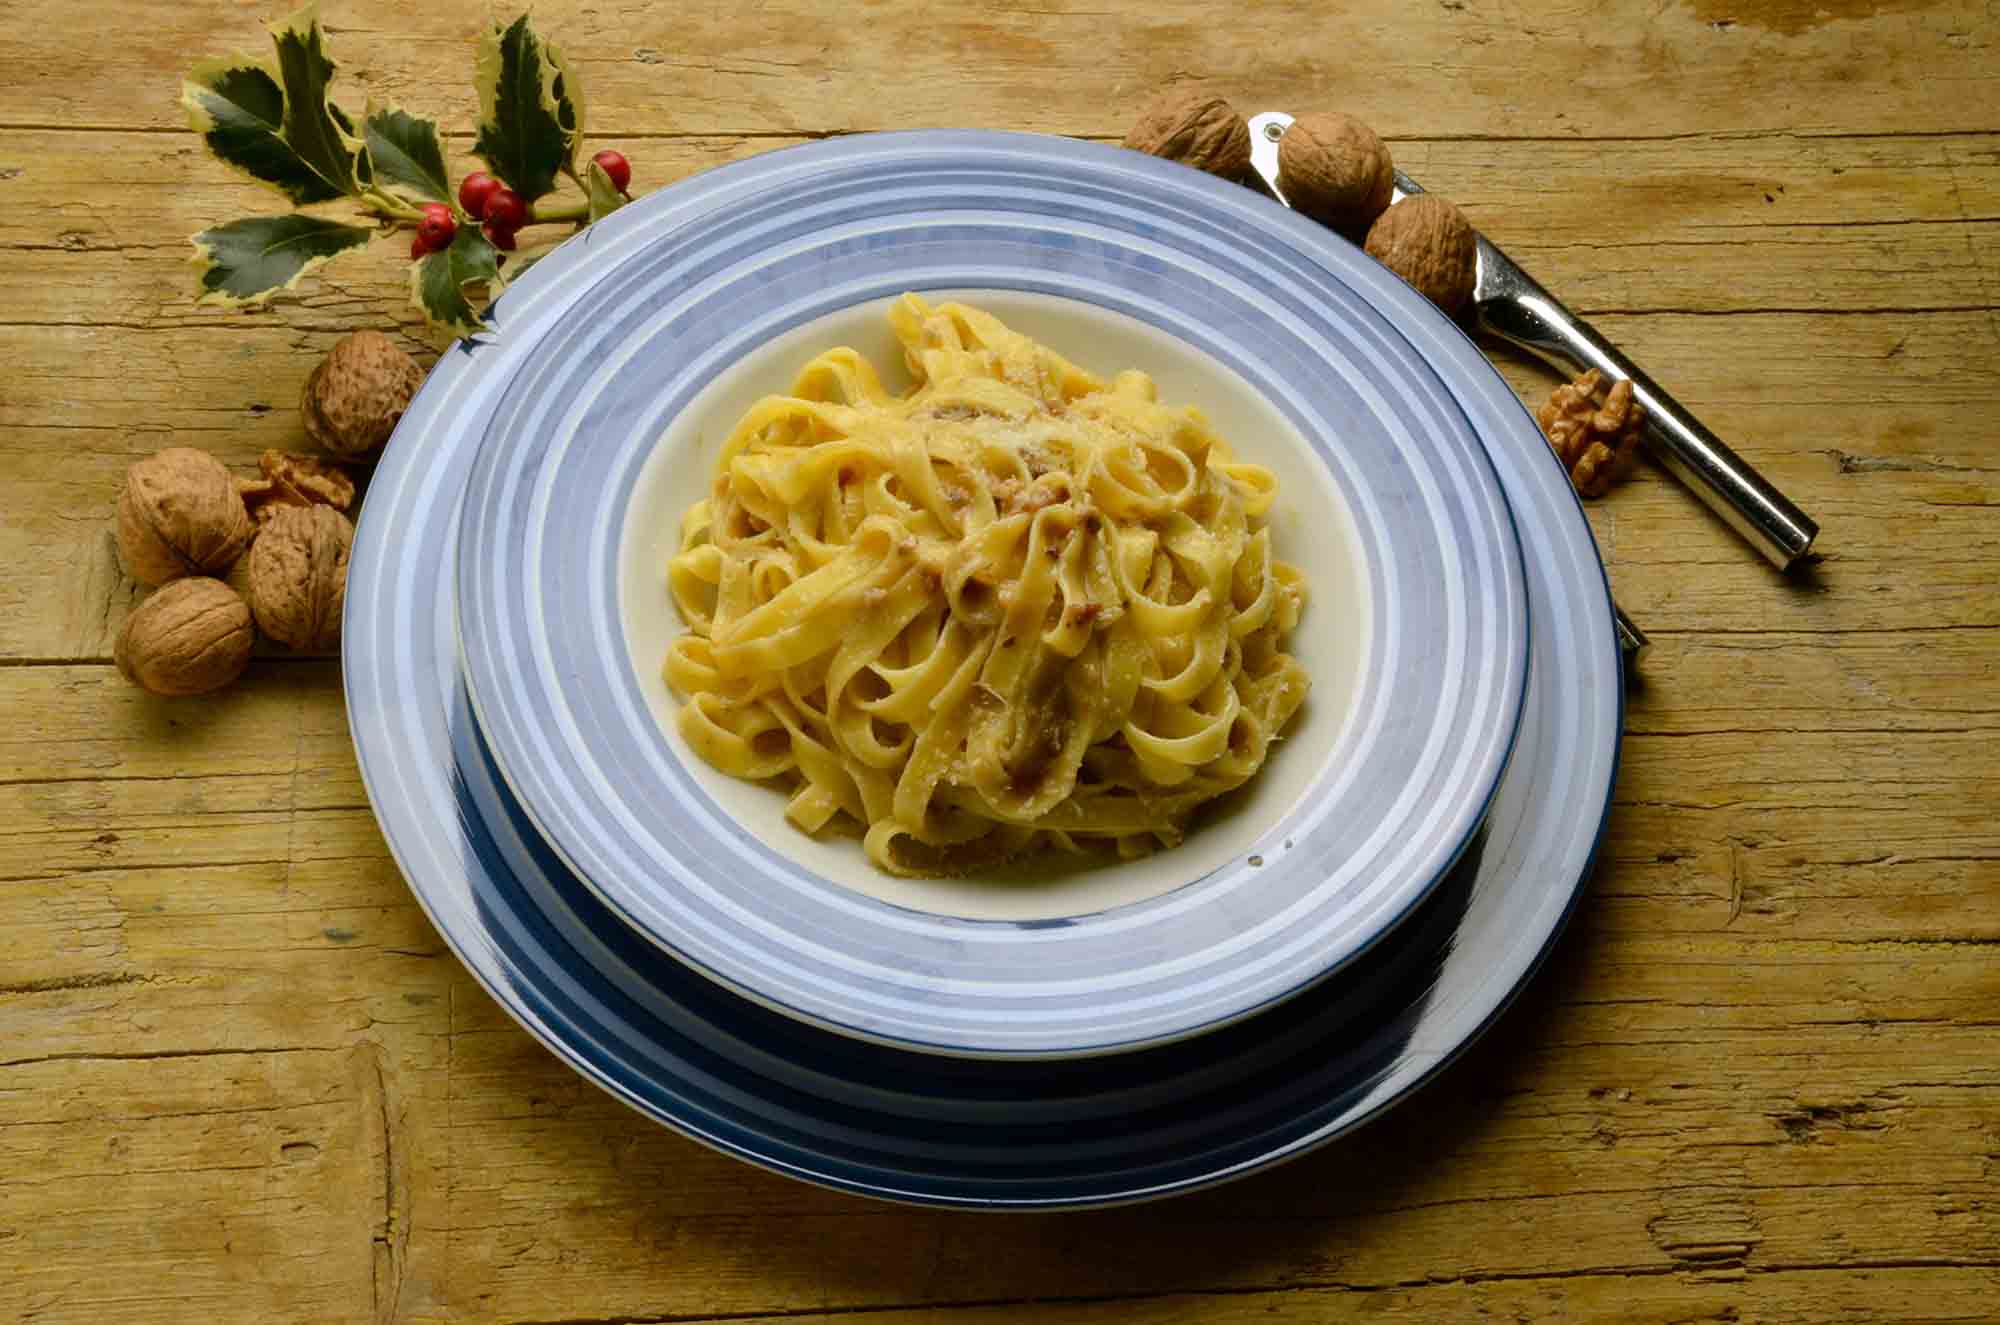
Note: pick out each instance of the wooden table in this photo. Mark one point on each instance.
(241, 1079)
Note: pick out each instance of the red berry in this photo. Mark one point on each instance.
(501, 239)
(418, 248)
(505, 210)
(474, 191)
(616, 166)
(438, 226)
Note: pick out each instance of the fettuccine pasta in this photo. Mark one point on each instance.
(1018, 606)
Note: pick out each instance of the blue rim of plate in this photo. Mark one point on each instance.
(1319, 333)
(918, 1128)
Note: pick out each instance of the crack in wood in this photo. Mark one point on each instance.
(1881, 464)
(391, 1239)
(90, 980)
(147, 1055)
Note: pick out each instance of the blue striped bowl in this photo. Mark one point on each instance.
(1385, 781)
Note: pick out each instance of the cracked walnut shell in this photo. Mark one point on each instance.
(1195, 129)
(298, 576)
(179, 515)
(1337, 170)
(291, 479)
(1596, 443)
(191, 637)
(1429, 243)
(355, 397)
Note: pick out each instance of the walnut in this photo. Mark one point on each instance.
(354, 398)
(179, 515)
(298, 576)
(191, 637)
(1336, 170)
(1429, 243)
(1595, 442)
(291, 479)
(1195, 129)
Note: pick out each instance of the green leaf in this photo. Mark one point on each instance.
(522, 136)
(604, 195)
(248, 261)
(438, 281)
(238, 108)
(404, 155)
(321, 135)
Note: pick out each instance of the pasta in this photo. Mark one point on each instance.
(1017, 607)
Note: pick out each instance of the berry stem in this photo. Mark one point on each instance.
(548, 213)
(390, 207)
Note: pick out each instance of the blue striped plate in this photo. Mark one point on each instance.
(919, 1127)
(1420, 629)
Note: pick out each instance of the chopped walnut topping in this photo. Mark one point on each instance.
(1037, 498)
(1596, 443)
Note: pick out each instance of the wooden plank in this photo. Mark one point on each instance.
(1633, 70)
(1921, 1293)
(1868, 222)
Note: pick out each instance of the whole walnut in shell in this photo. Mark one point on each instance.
(1429, 243)
(1336, 170)
(1195, 129)
(179, 514)
(191, 637)
(298, 576)
(356, 395)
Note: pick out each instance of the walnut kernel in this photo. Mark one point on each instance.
(1429, 243)
(290, 479)
(356, 395)
(1195, 129)
(298, 576)
(179, 515)
(1596, 443)
(1336, 170)
(191, 637)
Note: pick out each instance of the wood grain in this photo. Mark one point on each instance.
(241, 1079)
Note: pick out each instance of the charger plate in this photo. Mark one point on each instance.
(915, 1126)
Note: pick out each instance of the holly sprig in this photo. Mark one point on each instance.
(276, 122)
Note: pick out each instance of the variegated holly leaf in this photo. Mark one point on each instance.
(568, 92)
(438, 281)
(604, 195)
(315, 129)
(248, 261)
(239, 109)
(522, 136)
(404, 155)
